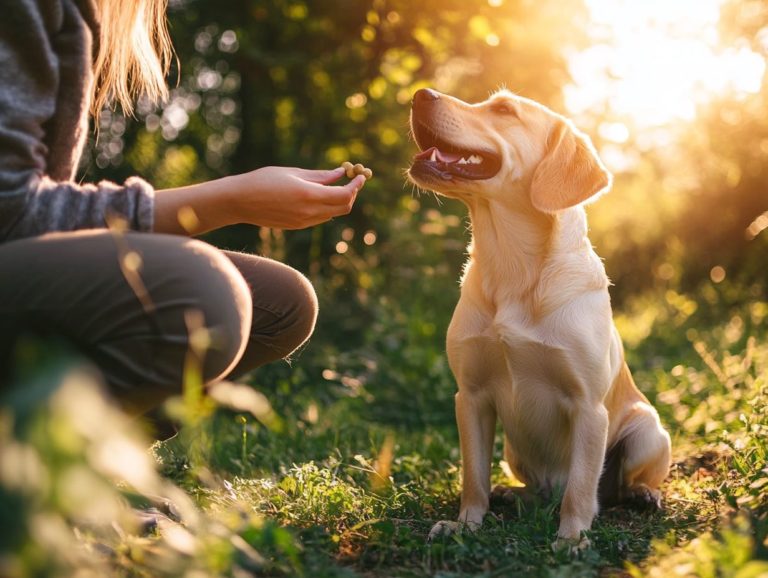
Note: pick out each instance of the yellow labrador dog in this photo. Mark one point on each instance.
(532, 340)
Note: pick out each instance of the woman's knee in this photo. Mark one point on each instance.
(299, 322)
(284, 308)
(218, 321)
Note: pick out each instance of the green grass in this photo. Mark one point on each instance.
(358, 458)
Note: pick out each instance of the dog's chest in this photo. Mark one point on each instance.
(535, 364)
(508, 357)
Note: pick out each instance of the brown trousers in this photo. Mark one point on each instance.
(131, 316)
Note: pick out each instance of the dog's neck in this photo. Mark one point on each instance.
(515, 249)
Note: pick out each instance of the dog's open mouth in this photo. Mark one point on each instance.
(446, 161)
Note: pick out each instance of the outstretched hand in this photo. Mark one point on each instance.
(278, 197)
(292, 198)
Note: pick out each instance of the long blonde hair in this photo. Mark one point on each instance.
(135, 53)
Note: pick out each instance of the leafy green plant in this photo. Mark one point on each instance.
(73, 470)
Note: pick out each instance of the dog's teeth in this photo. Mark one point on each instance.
(433, 158)
(475, 160)
(463, 161)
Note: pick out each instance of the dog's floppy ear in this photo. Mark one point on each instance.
(570, 172)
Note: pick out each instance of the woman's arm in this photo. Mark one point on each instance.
(279, 197)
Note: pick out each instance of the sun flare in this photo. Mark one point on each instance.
(652, 63)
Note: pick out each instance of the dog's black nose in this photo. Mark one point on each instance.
(426, 95)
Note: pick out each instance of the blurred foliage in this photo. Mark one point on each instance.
(692, 204)
(80, 494)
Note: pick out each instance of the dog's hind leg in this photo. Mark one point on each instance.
(638, 458)
(646, 457)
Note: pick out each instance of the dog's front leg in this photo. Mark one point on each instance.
(579, 507)
(476, 418)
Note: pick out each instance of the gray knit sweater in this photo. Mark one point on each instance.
(46, 56)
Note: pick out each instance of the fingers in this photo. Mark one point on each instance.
(340, 200)
(340, 195)
(354, 185)
(326, 202)
(322, 177)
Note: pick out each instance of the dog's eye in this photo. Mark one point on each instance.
(504, 108)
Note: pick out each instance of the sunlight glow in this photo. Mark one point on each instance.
(654, 62)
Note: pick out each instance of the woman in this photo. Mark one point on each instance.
(124, 295)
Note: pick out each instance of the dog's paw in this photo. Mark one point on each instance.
(571, 545)
(644, 498)
(444, 528)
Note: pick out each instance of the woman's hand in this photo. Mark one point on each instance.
(291, 198)
(278, 197)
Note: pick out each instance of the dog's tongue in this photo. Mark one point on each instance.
(439, 155)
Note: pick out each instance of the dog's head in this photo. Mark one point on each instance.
(502, 146)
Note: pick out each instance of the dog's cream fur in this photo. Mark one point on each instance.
(532, 341)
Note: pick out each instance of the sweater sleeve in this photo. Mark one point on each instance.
(33, 198)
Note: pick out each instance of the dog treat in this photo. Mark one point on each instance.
(357, 169)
